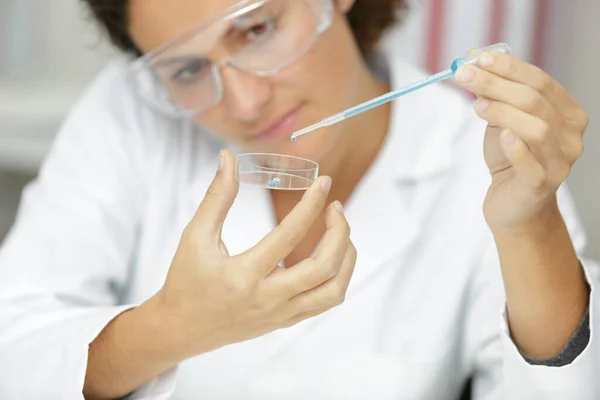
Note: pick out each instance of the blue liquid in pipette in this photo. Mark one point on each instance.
(376, 102)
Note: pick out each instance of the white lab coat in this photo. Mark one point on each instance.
(97, 230)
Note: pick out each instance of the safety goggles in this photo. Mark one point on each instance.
(260, 38)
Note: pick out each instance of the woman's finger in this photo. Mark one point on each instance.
(533, 131)
(488, 85)
(280, 242)
(529, 171)
(211, 213)
(331, 292)
(326, 263)
(296, 319)
(517, 70)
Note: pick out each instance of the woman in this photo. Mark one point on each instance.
(114, 282)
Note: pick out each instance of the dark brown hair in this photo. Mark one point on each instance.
(368, 20)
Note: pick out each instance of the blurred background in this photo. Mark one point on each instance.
(50, 50)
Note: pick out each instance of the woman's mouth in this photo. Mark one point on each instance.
(282, 126)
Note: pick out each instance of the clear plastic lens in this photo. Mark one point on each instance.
(199, 88)
(276, 171)
(147, 86)
(293, 31)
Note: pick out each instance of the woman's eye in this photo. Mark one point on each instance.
(189, 71)
(258, 30)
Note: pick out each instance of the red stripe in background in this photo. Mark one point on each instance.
(497, 20)
(434, 36)
(540, 30)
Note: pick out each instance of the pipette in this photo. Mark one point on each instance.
(471, 58)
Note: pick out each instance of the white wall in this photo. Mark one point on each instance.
(48, 52)
(575, 62)
(44, 41)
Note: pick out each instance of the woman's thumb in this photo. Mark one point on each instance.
(221, 193)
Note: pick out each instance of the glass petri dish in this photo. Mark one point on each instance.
(276, 171)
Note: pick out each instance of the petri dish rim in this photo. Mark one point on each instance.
(284, 156)
(287, 178)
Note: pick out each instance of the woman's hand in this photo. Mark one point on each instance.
(210, 299)
(534, 136)
(213, 299)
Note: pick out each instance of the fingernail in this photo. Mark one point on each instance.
(221, 159)
(474, 51)
(338, 206)
(326, 184)
(482, 105)
(509, 138)
(485, 60)
(465, 74)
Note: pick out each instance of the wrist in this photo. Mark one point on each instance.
(184, 335)
(164, 329)
(132, 349)
(546, 291)
(547, 220)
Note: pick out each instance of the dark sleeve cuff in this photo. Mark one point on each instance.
(572, 349)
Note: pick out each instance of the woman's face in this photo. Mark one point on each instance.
(259, 113)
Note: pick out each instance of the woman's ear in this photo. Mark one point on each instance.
(345, 5)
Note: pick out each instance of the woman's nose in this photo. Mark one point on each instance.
(245, 95)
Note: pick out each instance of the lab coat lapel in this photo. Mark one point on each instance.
(382, 218)
(388, 207)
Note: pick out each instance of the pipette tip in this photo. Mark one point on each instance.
(306, 130)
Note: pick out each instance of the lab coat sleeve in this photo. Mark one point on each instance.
(500, 370)
(65, 261)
